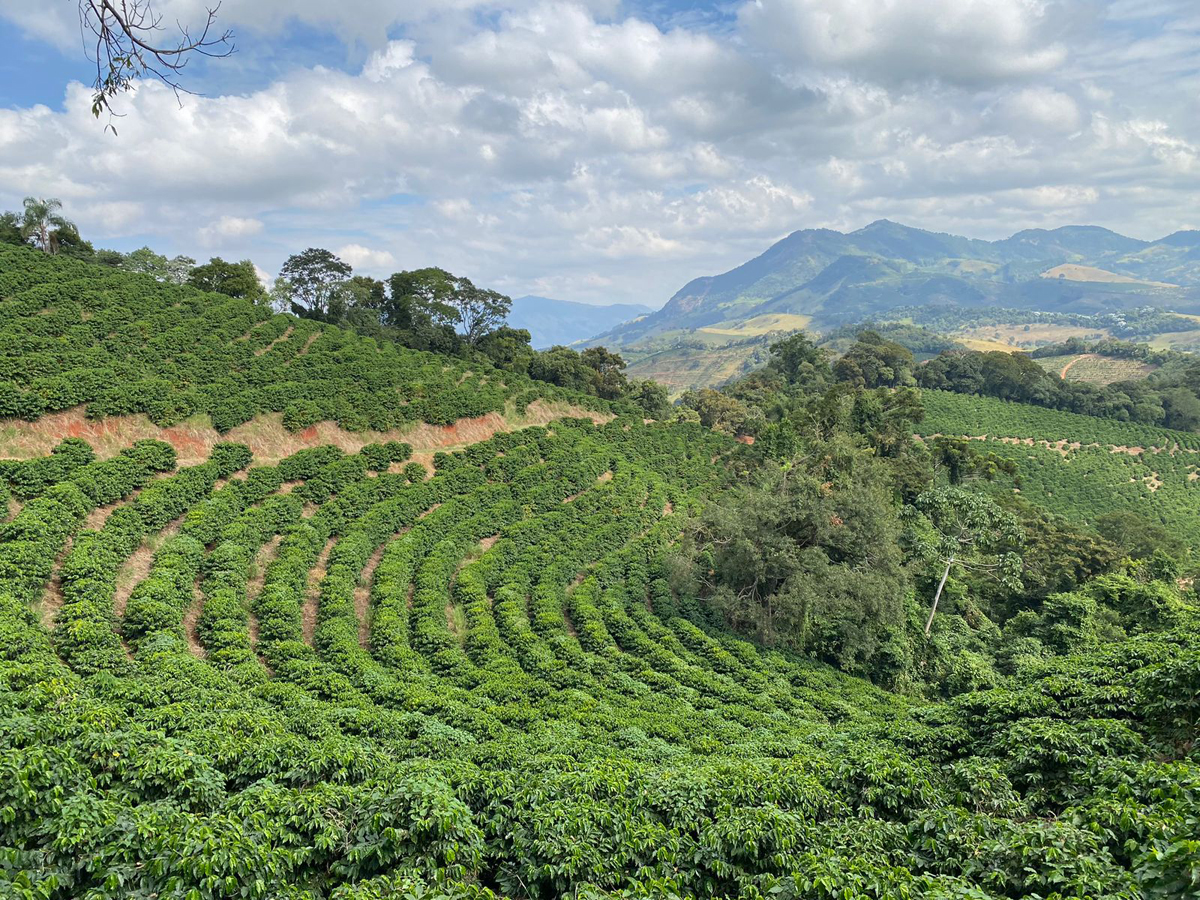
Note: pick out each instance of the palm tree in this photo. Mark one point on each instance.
(43, 222)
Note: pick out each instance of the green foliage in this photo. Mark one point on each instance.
(231, 279)
(317, 284)
(121, 344)
(326, 679)
(806, 557)
(873, 362)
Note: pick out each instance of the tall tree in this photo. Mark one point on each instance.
(955, 528)
(10, 229)
(42, 223)
(419, 298)
(435, 296)
(233, 279)
(609, 381)
(480, 310)
(805, 554)
(317, 280)
(146, 261)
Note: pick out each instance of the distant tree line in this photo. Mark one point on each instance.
(1138, 322)
(1172, 400)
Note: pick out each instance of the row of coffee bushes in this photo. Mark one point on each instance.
(84, 626)
(31, 542)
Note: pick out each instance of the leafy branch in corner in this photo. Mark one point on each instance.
(128, 47)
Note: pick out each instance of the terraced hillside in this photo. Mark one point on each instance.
(1082, 466)
(331, 674)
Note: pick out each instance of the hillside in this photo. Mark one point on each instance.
(287, 612)
(551, 322)
(1082, 467)
(836, 278)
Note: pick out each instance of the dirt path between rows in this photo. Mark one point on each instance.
(52, 596)
(1067, 367)
(312, 596)
(135, 569)
(362, 595)
(190, 619)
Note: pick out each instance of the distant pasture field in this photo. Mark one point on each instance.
(1016, 337)
(763, 324)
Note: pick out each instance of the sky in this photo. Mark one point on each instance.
(605, 151)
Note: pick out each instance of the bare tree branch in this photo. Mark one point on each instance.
(127, 47)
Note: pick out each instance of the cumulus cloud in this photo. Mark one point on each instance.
(370, 258)
(229, 229)
(961, 41)
(571, 148)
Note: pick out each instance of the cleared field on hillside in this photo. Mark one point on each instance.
(1177, 340)
(759, 325)
(1080, 466)
(684, 367)
(1093, 369)
(1015, 337)
(984, 345)
(1072, 272)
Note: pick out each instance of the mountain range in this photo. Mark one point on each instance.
(829, 278)
(551, 322)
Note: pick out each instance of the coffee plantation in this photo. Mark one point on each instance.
(352, 676)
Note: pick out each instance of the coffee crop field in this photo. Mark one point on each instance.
(346, 672)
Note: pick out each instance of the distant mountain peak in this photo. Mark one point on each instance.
(834, 277)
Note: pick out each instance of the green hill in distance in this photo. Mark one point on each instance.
(837, 278)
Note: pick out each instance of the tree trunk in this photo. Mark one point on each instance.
(938, 595)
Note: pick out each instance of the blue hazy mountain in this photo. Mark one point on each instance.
(551, 322)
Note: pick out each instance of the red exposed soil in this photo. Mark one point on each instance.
(265, 434)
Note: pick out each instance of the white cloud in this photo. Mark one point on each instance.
(1040, 108)
(559, 147)
(960, 41)
(229, 229)
(361, 257)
